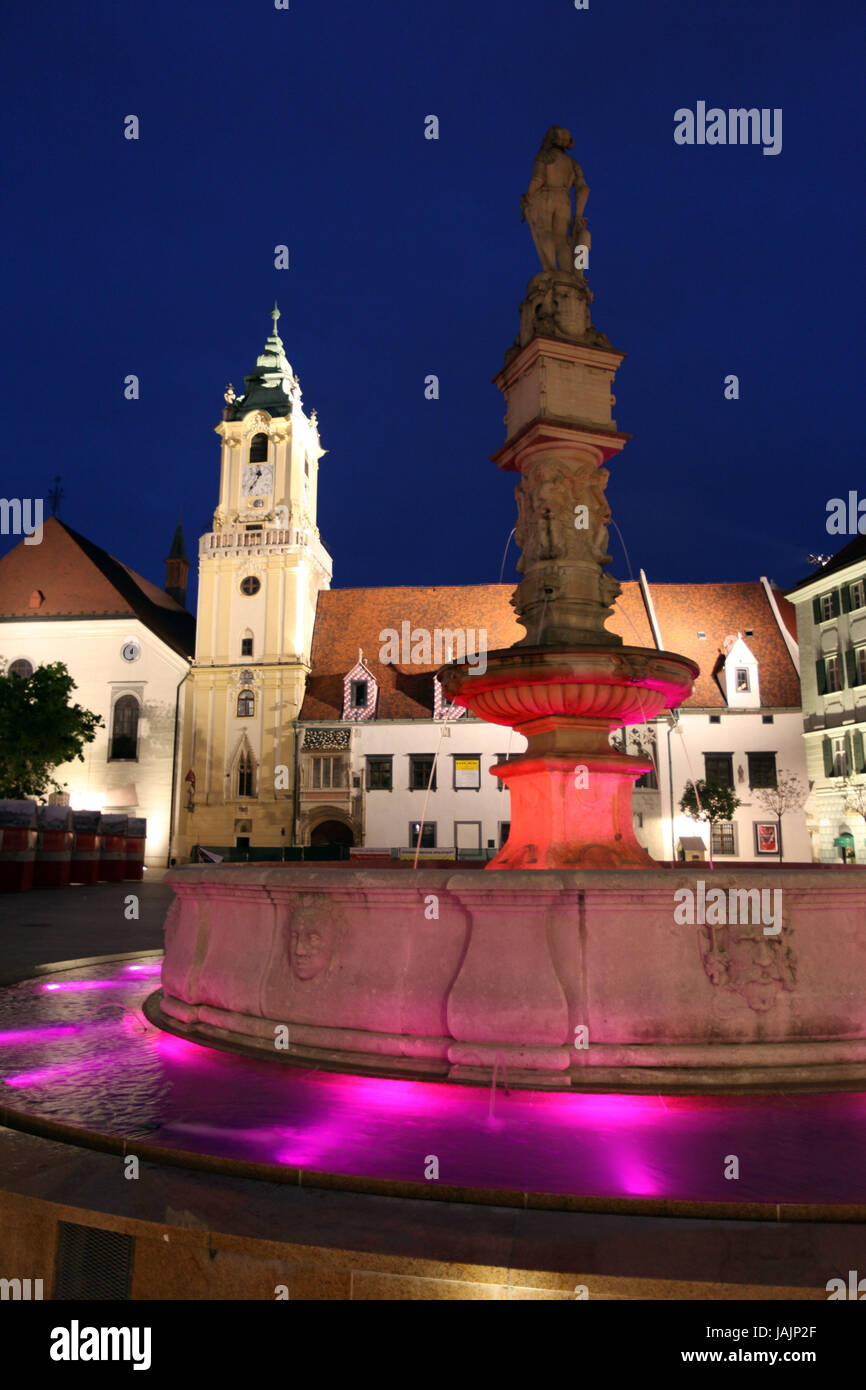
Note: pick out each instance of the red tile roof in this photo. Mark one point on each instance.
(347, 619)
(79, 580)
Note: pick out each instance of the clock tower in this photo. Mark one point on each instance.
(261, 567)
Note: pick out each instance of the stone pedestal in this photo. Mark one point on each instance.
(570, 791)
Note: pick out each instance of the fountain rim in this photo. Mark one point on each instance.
(83, 1138)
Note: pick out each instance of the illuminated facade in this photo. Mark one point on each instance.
(261, 567)
(127, 646)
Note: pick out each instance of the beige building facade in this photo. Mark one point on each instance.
(261, 568)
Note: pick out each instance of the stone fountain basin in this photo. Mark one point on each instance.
(621, 685)
(441, 973)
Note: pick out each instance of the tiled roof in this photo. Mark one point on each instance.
(79, 580)
(347, 619)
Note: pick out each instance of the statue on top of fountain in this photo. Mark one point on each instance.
(557, 305)
(546, 204)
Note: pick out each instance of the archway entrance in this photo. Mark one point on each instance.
(332, 832)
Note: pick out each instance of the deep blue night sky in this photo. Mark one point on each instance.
(407, 257)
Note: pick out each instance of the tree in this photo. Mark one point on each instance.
(39, 730)
(787, 795)
(709, 801)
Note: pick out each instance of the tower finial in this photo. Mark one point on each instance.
(275, 314)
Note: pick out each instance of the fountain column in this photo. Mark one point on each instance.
(569, 682)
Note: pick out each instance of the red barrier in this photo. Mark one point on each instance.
(54, 847)
(112, 860)
(136, 836)
(17, 845)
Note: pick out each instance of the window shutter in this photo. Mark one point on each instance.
(851, 663)
(828, 757)
(846, 599)
(849, 761)
(816, 608)
(858, 752)
(840, 667)
(834, 603)
(821, 673)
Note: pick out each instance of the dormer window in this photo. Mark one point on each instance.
(259, 448)
(360, 692)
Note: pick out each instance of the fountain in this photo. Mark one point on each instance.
(575, 962)
(573, 965)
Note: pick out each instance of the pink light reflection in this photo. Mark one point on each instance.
(45, 1074)
(83, 984)
(26, 1035)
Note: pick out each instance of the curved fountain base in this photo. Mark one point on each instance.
(568, 980)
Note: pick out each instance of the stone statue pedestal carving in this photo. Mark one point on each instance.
(557, 306)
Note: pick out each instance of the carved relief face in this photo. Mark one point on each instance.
(744, 960)
(312, 938)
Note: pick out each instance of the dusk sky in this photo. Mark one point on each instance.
(260, 127)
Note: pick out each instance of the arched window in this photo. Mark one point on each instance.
(259, 448)
(245, 774)
(124, 731)
(246, 704)
(21, 668)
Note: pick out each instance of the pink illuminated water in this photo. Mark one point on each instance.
(84, 1054)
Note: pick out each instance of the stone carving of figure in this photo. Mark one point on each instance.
(546, 205)
(562, 513)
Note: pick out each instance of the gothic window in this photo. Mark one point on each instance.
(327, 772)
(21, 668)
(259, 448)
(124, 729)
(246, 704)
(245, 774)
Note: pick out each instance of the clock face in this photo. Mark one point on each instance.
(257, 480)
(130, 651)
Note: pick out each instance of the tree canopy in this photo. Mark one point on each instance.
(40, 730)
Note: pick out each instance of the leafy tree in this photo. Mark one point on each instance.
(39, 730)
(787, 795)
(711, 802)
